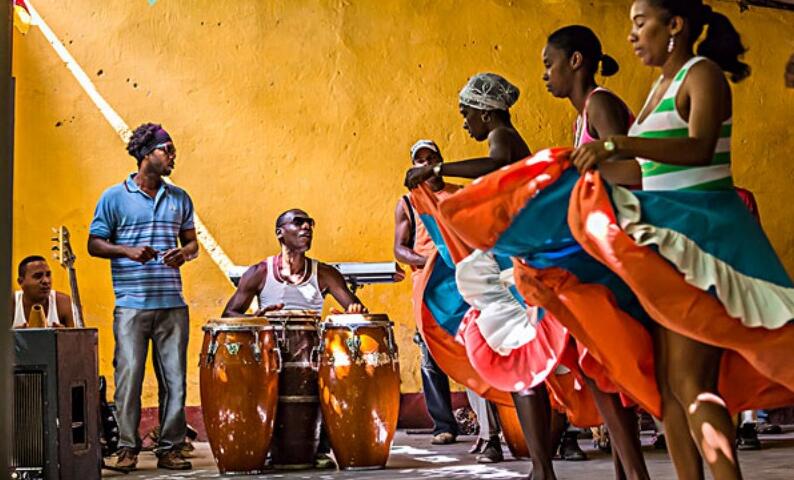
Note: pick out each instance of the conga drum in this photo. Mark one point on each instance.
(511, 428)
(359, 377)
(297, 429)
(239, 365)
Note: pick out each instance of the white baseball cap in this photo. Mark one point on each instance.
(428, 144)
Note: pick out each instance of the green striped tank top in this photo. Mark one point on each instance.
(666, 122)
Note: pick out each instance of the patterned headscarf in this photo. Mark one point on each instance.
(489, 91)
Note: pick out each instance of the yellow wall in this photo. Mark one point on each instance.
(313, 104)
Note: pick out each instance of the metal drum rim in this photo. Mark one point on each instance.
(229, 327)
(358, 324)
(293, 313)
(297, 327)
(339, 318)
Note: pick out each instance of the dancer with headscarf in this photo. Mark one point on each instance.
(484, 105)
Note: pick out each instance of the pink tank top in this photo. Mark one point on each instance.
(582, 126)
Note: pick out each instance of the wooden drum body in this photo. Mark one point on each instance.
(297, 428)
(239, 366)
(359, 377)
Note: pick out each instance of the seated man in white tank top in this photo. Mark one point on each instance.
(290, 280)
(35, 283)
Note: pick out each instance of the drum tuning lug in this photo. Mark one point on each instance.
(284, 341)
(314, 358)
(277, 351)
(257, 351)
(213, 347)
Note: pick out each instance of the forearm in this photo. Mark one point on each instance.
(228, 312)
(673, 151)
(621, 172)
(474, 168)
(99, 247)
(406, 255)
(190, 250)
(344, 296)
(237, 307)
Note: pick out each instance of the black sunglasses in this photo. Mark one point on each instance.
(167, 148)
(299, 221)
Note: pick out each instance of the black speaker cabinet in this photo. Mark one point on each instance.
(56, 404)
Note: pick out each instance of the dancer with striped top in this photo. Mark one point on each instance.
(682, 141)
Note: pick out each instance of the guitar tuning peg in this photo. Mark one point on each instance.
(54, 230)
(55, 239)
(55, 248)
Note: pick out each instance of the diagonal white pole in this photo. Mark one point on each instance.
(118, 124)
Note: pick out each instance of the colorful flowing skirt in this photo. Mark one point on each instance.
(701, 266)
(487, 336)
(608, 276)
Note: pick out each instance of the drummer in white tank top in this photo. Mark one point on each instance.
(291, 280)
(305, 295)
(35, 282)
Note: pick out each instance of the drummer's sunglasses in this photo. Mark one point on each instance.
(167, 148)
(299, 221)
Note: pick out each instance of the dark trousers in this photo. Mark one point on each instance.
(435, 385)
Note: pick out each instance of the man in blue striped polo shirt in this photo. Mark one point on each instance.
(139, 224)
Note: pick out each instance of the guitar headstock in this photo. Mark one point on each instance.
(62, 249)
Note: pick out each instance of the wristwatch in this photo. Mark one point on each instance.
(437, 170)
(609, 145)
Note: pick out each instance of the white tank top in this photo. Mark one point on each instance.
(302, 296)
(19, 311)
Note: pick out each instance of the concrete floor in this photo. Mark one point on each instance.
(412, 456)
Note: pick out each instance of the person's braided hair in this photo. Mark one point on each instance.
(140, 138)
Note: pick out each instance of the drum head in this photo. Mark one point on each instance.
(238, 324)
(286, 315)
(358, 320)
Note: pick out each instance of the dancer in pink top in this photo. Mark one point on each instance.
(572, 57)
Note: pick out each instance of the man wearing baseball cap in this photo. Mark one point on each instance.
(412, 245)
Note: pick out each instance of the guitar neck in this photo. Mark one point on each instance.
(77, 306)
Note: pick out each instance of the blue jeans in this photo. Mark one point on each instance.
(435, 385)
(167, 329)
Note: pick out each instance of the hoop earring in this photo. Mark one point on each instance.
(671, 45)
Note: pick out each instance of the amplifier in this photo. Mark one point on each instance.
(56, 403)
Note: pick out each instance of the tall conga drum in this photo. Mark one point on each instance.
(297, 428)
(239, 365)
(359, 377)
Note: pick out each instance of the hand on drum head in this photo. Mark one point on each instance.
(356, 308)
(352, 308)
(268, 308)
